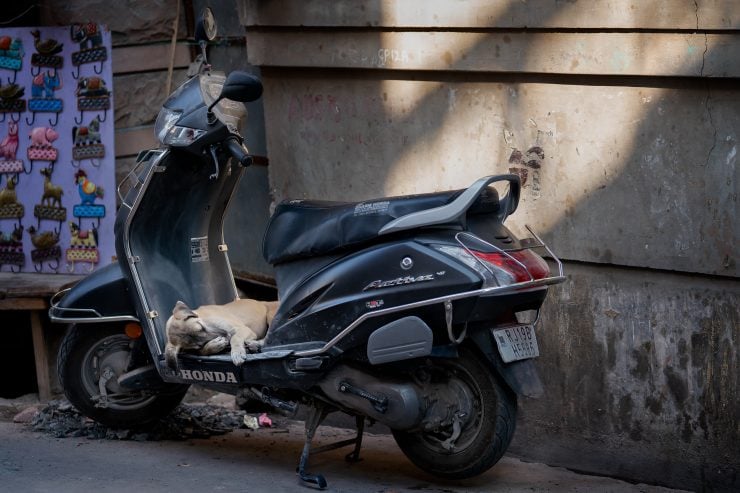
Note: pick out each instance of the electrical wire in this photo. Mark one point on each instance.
(3, 23)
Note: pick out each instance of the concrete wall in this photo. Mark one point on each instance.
(622, 119)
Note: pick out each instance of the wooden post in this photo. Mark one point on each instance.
(41, 356)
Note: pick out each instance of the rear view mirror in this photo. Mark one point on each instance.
(242, 87)
(206, 29)
(238, 86)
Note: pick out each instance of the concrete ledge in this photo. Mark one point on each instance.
(445, 14)
(635, 54)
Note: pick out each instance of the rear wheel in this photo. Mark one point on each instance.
(478, 425)
(91, 358)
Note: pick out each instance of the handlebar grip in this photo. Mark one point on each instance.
(236, 149)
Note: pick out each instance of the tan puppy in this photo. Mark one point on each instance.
(212, 328)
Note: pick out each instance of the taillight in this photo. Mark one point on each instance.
(527, 264)
(498, 268)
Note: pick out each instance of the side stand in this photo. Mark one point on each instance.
(316, 416)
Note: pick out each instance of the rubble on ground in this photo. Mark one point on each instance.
(61, 420)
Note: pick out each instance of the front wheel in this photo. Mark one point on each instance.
(91, 358)
(479, 422)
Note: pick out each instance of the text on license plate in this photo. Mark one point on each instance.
(515, 343)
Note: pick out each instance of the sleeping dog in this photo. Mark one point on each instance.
(210, 329)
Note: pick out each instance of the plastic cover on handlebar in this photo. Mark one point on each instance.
(236, 149)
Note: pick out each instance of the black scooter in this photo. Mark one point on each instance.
(417, 312)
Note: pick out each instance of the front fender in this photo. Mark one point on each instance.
(522, 376)
(103, 296)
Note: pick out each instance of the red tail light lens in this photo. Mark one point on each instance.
(534, 265)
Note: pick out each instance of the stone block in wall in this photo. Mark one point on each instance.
(478, 14)
(130, 22)
(639, 176)
(139, 96)
(641, 378)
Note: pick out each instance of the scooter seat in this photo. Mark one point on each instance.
(302, 228)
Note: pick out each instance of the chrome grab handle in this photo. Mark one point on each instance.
(540, 244)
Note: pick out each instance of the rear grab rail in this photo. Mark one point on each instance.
(447, 300)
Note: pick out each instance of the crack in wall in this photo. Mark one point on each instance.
(711, 123)
(706, 42)
(709, 90)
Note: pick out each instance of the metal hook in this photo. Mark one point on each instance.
(72, 162)
(15, 76)
(78, 122)
(54, 266)
(12, 268)
(33, 118)
(38, 266)
(95, 68)
(91, 268)
(30, 169)
(15, 120)
(105, 115)
(70, 267)
(37, 72)
(56, 120)
(77, 68)
(3, 120)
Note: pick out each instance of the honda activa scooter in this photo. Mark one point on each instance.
(418, 312)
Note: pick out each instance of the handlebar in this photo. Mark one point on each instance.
(236, 149)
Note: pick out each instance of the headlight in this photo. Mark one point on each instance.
(170, 134)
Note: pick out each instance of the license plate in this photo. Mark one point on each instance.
(515, 343)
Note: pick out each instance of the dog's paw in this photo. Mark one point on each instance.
(215, 346)
(254, 346)
(238, 355)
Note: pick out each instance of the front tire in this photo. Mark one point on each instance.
(486, 428)
(91, 358)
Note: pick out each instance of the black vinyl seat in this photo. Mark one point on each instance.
(303, 228)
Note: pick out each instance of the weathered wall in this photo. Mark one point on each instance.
(142, 34)
(142, 37)
(249, 212)
(622, 117)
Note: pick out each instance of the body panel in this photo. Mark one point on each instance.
(103, 294)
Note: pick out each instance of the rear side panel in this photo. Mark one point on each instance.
(384, 276)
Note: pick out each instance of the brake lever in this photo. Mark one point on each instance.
(214, 176)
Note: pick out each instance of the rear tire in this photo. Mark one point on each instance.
(92, 355)
(486, 430)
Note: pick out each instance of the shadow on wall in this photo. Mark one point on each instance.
(627, 171)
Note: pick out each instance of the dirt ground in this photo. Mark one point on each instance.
(239, 460)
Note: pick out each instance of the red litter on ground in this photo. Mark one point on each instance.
(265, 420)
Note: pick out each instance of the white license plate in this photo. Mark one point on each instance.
(515, 343)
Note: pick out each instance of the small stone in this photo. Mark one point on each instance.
(27, 415)
(64, 406)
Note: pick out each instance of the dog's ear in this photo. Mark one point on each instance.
(272, 308)
(183, 310)
(170, 355)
